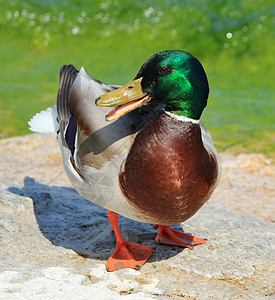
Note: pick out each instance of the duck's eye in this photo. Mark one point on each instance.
(164, 70)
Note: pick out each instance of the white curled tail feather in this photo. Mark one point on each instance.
(45, 121)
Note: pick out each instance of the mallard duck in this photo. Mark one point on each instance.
(149, 159)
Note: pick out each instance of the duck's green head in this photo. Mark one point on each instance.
(174, 78)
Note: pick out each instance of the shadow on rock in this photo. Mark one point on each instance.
(70, 221)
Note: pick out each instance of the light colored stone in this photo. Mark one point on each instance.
(54, 244)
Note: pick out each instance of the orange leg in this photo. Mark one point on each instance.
(126, 255)
(170, 236)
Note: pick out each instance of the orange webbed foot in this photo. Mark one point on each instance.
(170, 236)
(128, 255)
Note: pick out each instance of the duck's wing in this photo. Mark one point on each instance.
(211, 149)
(75, 99)
(91, 140)
(67, 75)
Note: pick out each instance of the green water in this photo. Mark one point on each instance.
(111, 39)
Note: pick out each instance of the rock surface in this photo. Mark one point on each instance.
(54, 244)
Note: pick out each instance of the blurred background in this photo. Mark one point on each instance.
(234, 40)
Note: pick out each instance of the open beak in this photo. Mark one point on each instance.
(125, 99)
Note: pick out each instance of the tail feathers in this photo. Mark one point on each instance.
(45, 121)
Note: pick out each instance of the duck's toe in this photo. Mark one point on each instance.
(169, 236)
(128, 255)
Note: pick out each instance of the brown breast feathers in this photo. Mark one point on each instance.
(168, 175)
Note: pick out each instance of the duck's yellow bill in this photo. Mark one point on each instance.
(125, 99)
